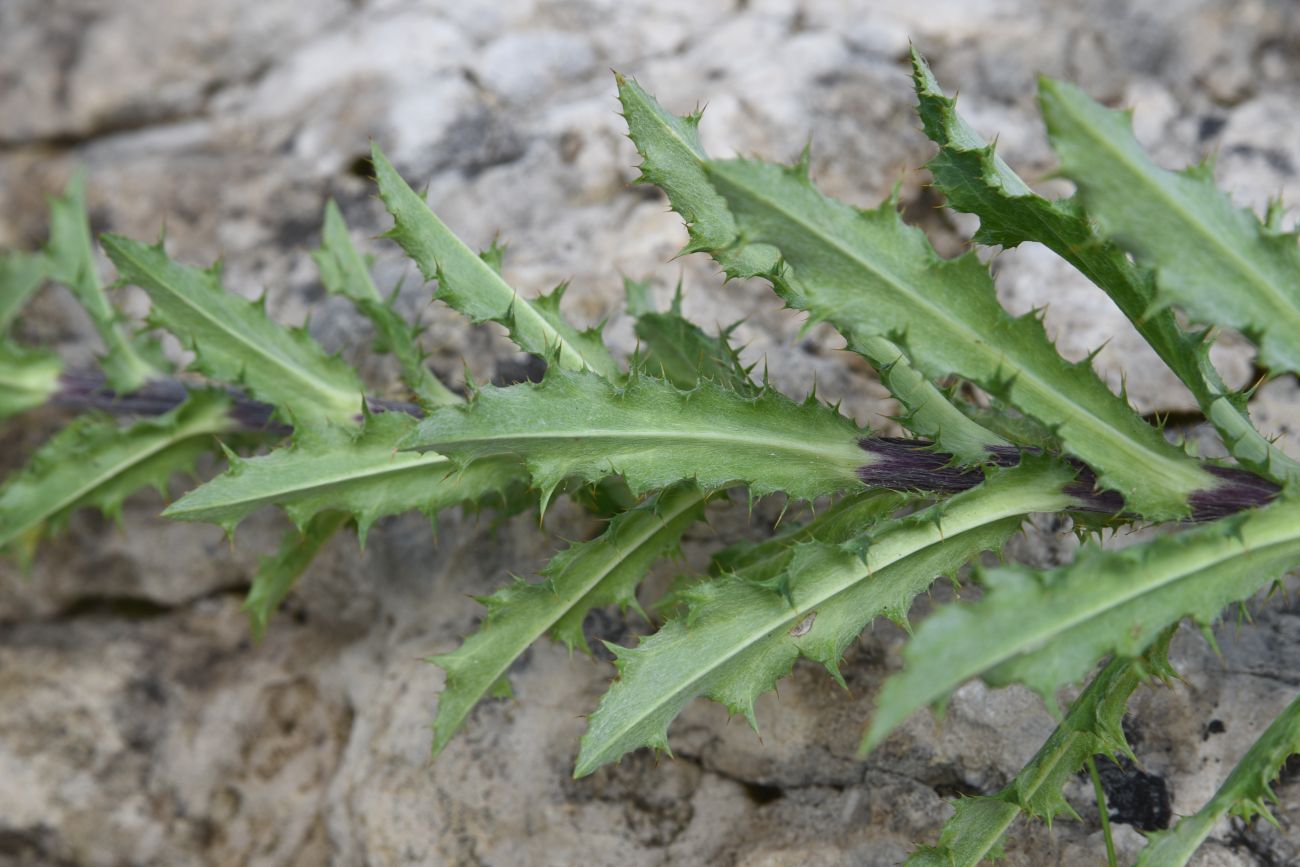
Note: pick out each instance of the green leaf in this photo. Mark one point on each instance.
(587, 575)
(581, 425)
(674, 160)
(1009, 422)
(843, 520)
(1047, 629)
(739, 637)
(344, 271)
(636, 295)
(276, 575)
(975, 180)
(1219, 262)
(470, 284)
(21, 274)
(928, 412)
(358, 473)
(676, 349)
(27, 377)
(70, 260)
(1092, 726)
(606, 498)
(879, 277)
(94, 462)
(234, 341)
(1246, 794)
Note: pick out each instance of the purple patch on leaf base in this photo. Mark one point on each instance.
(916, 465)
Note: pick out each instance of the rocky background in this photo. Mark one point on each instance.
(138, 722)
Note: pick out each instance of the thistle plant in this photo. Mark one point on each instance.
(1000, 427)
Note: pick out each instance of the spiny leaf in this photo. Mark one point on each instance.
(606, 498)
(1047, 629)
(738, 637)
(1217, 261)
(358, 473)
(21, 274)
(27, 377)
(1009, 422)
(70, 260)
(879, 277)
(95, 462)
(277, 574)
(1246, 794)
(767, 563)
(234, 341)
(674, 161)
(676, 349)
(587, 575)
(636, 294)
(843, 520)
(343, 270)
(581, 425)
(472, 286)
(1092, 726)
(976, 180)
(928, 413)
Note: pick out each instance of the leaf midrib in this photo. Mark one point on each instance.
(294, 492)
(216, 425)
(1177, 573)
(1008, 503)
(621, 556)
(499, 286)
(822, 454)
(1200, 377)
(1102, 430)
(339, 400)
(519, 302)
(1028, 642)
(1242, 264)
(31, 378)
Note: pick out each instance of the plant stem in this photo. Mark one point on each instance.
(894, 463)
(1102, 812)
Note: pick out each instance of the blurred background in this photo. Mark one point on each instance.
(139, 724)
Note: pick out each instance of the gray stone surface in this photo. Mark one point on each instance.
(138, 722)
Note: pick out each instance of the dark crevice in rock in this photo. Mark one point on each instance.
(250, 79)
(762, 789)
(362, 166)
(655, 815)
(479, 141)
(1262, 850)
(31, 846)
(525, 368)
(957, 789)
(761, 794)
(1290, 772)
(1275, 676)
(603, 625)
(1177, 418)
(115, 606)
(1133, 796)
(131, 608)
(124, 123)
(128, 120)
(1210, 126)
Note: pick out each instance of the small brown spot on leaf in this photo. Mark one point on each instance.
(804, 626)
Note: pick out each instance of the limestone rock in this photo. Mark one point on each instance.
(140, 724)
